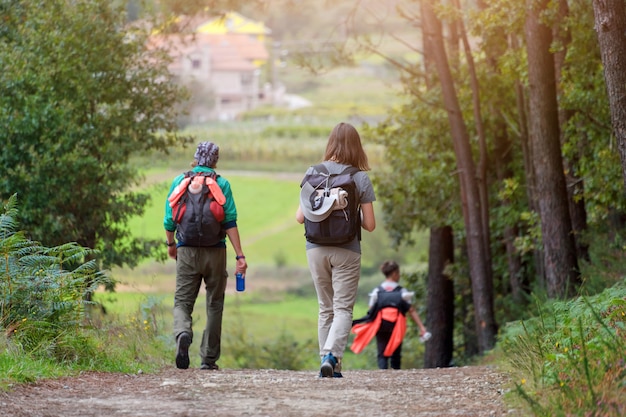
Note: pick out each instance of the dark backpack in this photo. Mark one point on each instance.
(197, 215)
(385, 299)
(342, 225)
(391, 298)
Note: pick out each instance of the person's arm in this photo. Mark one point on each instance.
(171, 249)
(417, 320)
(235, 241)
(299, 215)
(368, 221)
(373, 298)
(168, 221)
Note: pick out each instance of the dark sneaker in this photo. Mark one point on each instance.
(328, 366)
(182, 350)
(210, 366)
(335, 375)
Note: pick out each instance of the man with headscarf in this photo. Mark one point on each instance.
(201, 257)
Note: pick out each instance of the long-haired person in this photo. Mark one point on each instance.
(336, 267)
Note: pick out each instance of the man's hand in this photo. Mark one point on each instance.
(171, 251)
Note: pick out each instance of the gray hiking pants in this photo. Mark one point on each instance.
(335, 272)
(193, 266)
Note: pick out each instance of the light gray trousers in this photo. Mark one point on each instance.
(335, 273)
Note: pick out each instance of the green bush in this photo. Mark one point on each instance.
(44, 291)
(571, 359)
(49, 326)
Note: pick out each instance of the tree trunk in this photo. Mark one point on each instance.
(483, 162)
(430, 68)
(453, 43)
(560, 262)
(610, 22)
(531, 188)
(575, 185)
(502, 161)
(466, 314)
(440, 302)
(482, 286)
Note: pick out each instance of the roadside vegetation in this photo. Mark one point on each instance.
(570, 359)
(45, 317)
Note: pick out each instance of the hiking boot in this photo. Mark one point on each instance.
(328, 366)
(210, 367)
(182, 350)
(335, 375)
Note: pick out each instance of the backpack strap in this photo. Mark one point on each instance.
(210, 179)
(321, 168)
(381, 288)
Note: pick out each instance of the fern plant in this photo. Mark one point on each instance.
(570, 359)
(43, 291)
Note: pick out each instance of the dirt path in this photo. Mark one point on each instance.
(469, 391)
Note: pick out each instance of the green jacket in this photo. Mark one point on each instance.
(230, 210)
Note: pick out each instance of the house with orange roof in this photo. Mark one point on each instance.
(220, 62)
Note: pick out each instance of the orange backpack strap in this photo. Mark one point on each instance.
(216, 191)
(192, 182)
(178, 191)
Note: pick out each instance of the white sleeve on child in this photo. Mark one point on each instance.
(408, 295)
(373, 297)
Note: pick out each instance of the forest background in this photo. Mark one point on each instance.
(465, 171)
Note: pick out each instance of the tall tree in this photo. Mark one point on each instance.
(483, 160)
(440, 299)
(560, 261)
(480, 269)
(575, 185)
(80, 95)
(610, 22)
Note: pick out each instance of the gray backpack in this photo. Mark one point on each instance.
(331, 206)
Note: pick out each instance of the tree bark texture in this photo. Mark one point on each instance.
(440, 299)
(481, 171)
(560, 261)
(482, 285)
(428, 57)
(610, 24)
(575, 185)
(463, 294)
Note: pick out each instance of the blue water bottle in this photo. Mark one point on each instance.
(241, 281)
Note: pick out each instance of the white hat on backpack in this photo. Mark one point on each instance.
(317, 206)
